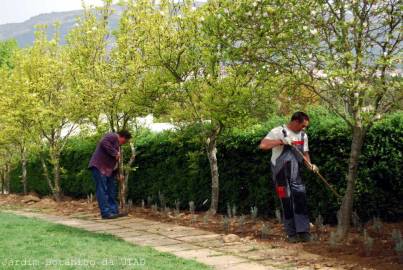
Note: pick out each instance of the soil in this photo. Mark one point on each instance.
(381, 256)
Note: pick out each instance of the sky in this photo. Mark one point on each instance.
(13, 11)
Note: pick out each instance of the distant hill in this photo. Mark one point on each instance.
(24, 32)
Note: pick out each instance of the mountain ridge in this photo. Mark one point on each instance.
(24, 32)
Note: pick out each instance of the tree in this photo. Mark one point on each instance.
(347, 53)
(57, 117)
(354, 68)
(7, 48)
(108, 73)
(18, 112)
(200, 82)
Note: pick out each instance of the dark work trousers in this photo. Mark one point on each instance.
(291, 192)
(105, 187)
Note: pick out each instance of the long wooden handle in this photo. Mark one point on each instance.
(318, 173)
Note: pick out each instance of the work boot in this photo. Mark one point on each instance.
(110, 217)
(304, 237)
(293, 238)
(122, 214)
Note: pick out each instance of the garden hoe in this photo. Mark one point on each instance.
(318, 173)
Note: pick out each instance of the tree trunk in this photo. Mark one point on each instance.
(7, 178)
(346, 207)
(125, 172)
(211, 147)
(57, 192)
(46, 174)
(2, 181)
(24, 169)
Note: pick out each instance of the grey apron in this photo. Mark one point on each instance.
(290, 188)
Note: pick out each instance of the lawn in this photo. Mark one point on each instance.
(35, 244)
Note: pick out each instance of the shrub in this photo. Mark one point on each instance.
(175, 165)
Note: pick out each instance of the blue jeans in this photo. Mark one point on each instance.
(105, 187)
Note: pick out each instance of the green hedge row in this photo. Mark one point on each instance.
(175, 165)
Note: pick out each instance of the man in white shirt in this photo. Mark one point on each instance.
(286, 164)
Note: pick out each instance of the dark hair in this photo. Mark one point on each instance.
(300, 117)
(125, 134)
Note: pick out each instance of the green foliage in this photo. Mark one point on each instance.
(7, 48)
(175, 165)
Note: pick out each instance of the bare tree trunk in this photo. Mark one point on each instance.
(125, 173)
(211, 147)
(24, 169)
(346, 207)
(57, 193)
(7, 178)
(2, 180)
(46, 174)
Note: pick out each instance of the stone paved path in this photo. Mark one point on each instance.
(189, 243)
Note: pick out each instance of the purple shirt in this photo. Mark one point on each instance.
(104, 157)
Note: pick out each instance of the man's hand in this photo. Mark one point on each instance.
(121, 178)
(118, 156)
(287, 141)
(314, 168)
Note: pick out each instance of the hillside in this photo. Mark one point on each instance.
(24, 32)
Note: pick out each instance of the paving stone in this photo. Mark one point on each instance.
(70, 222)
(215, 243)
(256, 255)
(223, 261)
(185, 242)
(200, 238)
(153, 242)
(135, 226)
(196, 254)
(128, 233)
(276, 263)
(117, 220)
(177, 233)
(178, 247)
(144, 237)
(146, 240)
(102, 228)
(236, 248)
(248, 266)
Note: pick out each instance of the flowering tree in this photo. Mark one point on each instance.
(347, 53)
(199, 82)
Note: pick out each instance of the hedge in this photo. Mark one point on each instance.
(175, 164)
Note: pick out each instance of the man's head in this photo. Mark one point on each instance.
(299, 121)
(124, 136)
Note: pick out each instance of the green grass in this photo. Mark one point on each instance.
(44, 245)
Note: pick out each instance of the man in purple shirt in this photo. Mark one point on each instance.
(104, 167)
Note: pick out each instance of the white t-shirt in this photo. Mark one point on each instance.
(277, 134)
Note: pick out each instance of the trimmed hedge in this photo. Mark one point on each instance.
(176, 165)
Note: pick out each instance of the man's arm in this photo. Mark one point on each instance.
(267, 144)
(307, 157)
(310, 166)
(108, 145)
